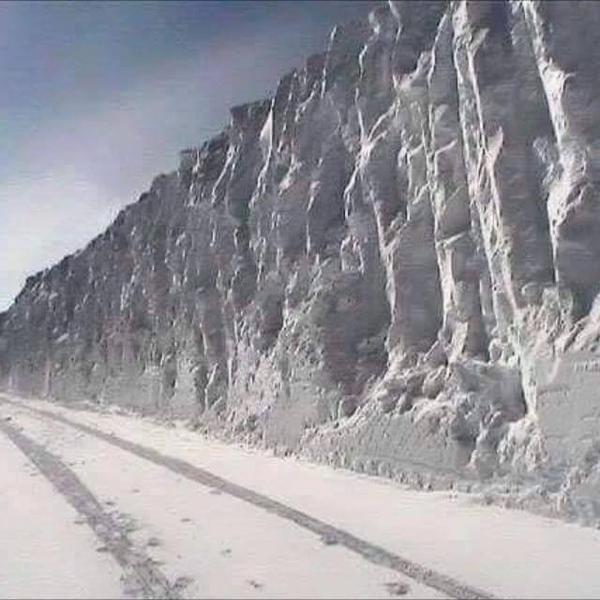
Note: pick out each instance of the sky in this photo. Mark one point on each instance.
(97, 98)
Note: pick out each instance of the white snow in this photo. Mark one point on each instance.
(43, 552)
(63, 338)
(507, 553)
(223, 546)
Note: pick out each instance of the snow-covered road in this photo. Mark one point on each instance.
(106, 505)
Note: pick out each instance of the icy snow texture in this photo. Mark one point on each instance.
(392, 265)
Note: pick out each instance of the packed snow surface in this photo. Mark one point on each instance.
(215, 544)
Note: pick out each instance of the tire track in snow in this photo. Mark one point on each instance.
(138, 567)
(331, 534)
